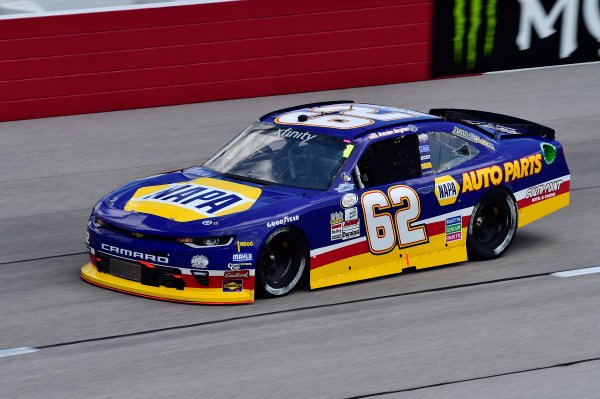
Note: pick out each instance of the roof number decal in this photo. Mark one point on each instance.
(342, 116)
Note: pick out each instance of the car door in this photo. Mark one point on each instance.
(397, 194)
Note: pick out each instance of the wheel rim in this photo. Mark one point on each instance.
(492, 224)
(283, 263)
(277, 262)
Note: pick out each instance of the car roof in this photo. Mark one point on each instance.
(340, 108)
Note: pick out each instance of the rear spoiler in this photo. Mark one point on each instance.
(498, 122)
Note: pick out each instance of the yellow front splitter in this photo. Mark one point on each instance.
(214, 296)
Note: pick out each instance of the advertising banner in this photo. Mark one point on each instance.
(472, 36)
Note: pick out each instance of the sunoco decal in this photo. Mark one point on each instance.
(232, 285)
(197, 199)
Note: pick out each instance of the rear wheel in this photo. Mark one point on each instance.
(492, 226)
(281, 262)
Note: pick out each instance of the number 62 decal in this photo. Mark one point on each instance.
(383, 232)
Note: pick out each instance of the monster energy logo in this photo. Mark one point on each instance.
(476, 12)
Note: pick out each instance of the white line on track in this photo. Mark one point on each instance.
(577, 272)
(17, 351)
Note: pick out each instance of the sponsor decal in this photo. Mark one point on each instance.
(348, 150)
(133, 254)
(349, 200)
(422, 138)
(207, 222)
(534, 17)
(242, 257)
(199, 261)
(543, 191)
(446, 190)
(453, 228)
(232, 285)
(425, 157)
(197, 199)
(336, 217)
(240, 274)
(548, 152)
(336, 231)
(472, 137)
(350, 229)
(238, 266)
(351, 214)
(517, 169)
(294, 134)
(423, 148)
(479, 36)
(344, 187)
(346, 176)
(87, 237)
(283, 221)
(345, 225)
(426, 165)
(412, 128)
(242, 244)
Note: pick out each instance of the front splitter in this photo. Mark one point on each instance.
(213, 296)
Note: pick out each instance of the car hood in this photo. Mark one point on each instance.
(191, 203)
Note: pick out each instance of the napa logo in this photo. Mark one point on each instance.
(446, 190)
(197, 199)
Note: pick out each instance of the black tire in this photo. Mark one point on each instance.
(493, 225)
(281, 263)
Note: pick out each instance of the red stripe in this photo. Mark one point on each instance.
(433, 229)
(338, 254)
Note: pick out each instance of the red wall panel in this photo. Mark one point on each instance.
(139, 58)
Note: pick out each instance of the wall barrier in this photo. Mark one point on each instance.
(104, 61)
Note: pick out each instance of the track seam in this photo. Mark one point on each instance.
(441, 384)
(43, 258)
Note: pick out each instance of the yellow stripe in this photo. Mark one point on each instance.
(540, 209)
(361, 267)
(165, 210)
(200, 295)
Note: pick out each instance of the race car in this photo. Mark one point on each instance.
(328, 193)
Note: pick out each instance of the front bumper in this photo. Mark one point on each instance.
(91, 274)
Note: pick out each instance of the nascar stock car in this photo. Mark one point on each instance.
(333, 192)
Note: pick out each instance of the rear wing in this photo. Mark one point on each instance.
(497, 122)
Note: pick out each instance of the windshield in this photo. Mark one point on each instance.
(292, 157)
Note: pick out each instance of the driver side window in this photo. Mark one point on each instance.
(389, 161)
(449, 151)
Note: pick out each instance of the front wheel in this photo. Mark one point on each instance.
(281, 262)
(492, 226)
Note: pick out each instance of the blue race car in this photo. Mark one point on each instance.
(334, 192)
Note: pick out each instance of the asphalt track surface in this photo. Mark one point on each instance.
(504, 329)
